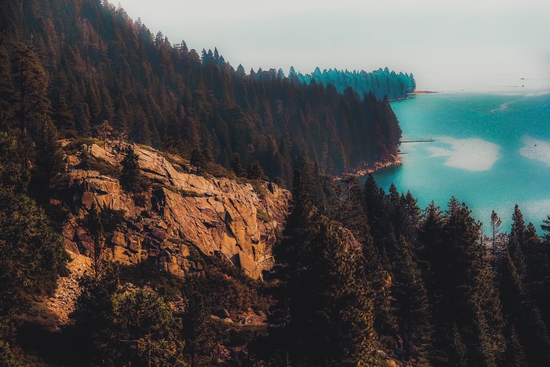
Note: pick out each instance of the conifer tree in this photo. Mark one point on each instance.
(516, 242)
(237, 166)
(352, 215)
(457, 350)
(6, 86)
(256, 172)
(144, 330)
(351, 211)
(377, 209)
(33, 106)
(411, 307)
(197, 329)
(96, 230)
(539, 267)
(198, 160)
(521, 314)
(131, 178)
(63, 117)
(49, 162)
(14, 157)
(515, 355)
(496, 240)
(459, 284)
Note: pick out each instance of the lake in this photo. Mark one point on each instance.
(491, 151)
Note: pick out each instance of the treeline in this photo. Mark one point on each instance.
(361, 277)
(382, 83)
(83, 62)
(424, 287)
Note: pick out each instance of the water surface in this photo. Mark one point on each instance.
(491, 151)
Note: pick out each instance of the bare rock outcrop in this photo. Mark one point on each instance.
(181, 211)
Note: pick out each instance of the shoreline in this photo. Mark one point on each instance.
(423, 92)
(377, 166)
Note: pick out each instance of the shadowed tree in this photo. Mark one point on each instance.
(131, 178)
(144, 331)
(237, 166)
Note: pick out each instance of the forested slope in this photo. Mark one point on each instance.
(82, 62)
(360, 277)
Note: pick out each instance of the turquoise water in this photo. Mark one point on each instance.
(491, 151)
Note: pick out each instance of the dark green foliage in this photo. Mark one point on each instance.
(32, 253)
(323, 315)
(96, 230)
(237, 166)
(421, 287)
(14, 156)
(381, 82)
(156, 93)
(111, 218)
(30, 82)
(198, 333)
(63, 117)
(457, 350)
(199, 161)
(131, 178)
(144, 331)
(256, 172)
(515, 355)
(351, 212)
(49, 163)
(460, 285)
(411, 307)
(521, 314)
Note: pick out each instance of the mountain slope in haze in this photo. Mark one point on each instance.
(83, 62)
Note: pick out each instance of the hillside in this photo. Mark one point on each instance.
(83, 62)
(131, 233)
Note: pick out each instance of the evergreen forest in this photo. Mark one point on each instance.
(84, 62)
(361, 277)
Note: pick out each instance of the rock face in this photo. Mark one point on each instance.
(181, 212)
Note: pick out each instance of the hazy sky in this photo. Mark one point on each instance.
(447, 45)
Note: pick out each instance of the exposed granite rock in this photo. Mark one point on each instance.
(215, 215)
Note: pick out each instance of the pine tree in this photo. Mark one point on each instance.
(33, 106)
(96, 230)
(521, 314)
(325, 316)
(515, 355)
(256, 172)
(144, 330)
(457, 350)
(49, 162)
(497, 240)
(411, 307)
(331, 316)
(197, 331)
(131, 178)
(459, 284)
(516, 242)
(539, 267)
(63, 117)
(15, 154)
(237, 166)
(351, 211)
(198, 160)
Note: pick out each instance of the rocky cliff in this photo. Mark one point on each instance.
(178, 213)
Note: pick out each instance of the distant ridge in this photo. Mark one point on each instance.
(382, 83)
